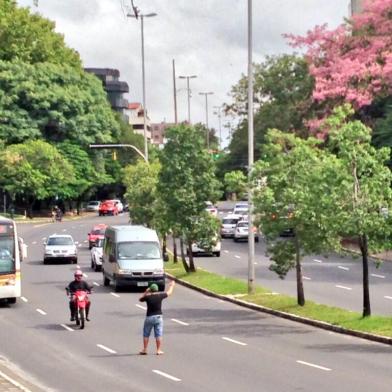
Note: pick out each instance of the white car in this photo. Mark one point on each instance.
(96, 255)
(93, 205)
(216, 249)
(60, 247)
(241, 210)
(242, 230)
(119, 205)
(229, 222)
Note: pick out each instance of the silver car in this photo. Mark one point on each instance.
(93, 205)
(96, 255)
(229, 222)
(60, 248)
(242, 230)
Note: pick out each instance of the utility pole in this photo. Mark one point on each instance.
(206, 94)
(187, 77)
(175, 92)
(251, 237)
(219, 114)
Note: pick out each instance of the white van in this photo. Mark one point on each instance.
(132, 257)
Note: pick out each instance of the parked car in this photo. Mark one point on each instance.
(119, 204)
(97, 232)
(108, 207)
(96, 255)
(60, 247)
(93, 205)
(229, 222)
(198, 249)
(242, 230)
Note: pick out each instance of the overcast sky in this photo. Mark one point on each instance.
(207, 38)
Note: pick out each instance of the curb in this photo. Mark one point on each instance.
(289, 316)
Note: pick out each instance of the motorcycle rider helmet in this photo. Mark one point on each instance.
(78, 273)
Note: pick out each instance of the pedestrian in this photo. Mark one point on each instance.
(154, 318)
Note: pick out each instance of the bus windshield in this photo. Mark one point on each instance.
(7, 248)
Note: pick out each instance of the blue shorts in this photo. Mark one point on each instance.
(155, 322)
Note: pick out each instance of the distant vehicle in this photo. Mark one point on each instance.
(132, 257)
(93, 205)
(197, 249)
(229, 222)
(60, 247)
(96, 255)
(242, 230)
(211, 208)
(12, 251)
(96, 233)
(108, 207)
(119, 205)
(241, 209)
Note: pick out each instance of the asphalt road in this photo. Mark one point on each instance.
(210, 345)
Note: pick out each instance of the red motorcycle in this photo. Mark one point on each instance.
(81, 301)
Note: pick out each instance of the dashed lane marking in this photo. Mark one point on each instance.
(140, 306)
(387, 297)
(314, 365)
(109, 350)
(41, 311)
(378, 276)
(317, 260)
(226, 251)
(234, 341)
(14, 382)
(163, 374)
(95, 283)
(24, 299)
(85, 275)
(343, 287)
(115, 295)
(237, 257)
(179, 322)
(343, 268)
(34, 242)
(67, 328)
(307, 278)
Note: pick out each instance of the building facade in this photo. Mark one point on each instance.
(356, 6)
(158, 132)
(135, 114)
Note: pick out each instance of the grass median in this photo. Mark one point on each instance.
(223, 285)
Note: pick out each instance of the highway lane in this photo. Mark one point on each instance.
(332, 280)
(210, 345)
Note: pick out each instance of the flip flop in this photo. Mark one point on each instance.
(142, 353)
(160, 352)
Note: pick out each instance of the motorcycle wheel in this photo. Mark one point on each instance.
(82, 316)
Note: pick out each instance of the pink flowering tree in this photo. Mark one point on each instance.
(352, 63)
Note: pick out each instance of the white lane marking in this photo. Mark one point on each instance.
(64, 230)
(378, 276)
(317, 260)
(41, 311)
(85, 275)
(76, 242)
(95, 283)
(343, 287)
(315, 366)
(34, 242)
(42, 224)
(141, 307)
(166, 375)
(255, 263)
(109, 350)
(77, 266)
(343, 268)
(234, 341)
(43, 238)
(14, 382)
(387, 297)
(179, 322)
(85, 241)
(67, 328)
(307, 278)
(226, 251)
(80, 245)
(237, 257)
(115, 295)
(24, 299)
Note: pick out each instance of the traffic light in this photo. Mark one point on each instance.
(114, 155)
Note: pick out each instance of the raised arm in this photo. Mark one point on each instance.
(171, 287)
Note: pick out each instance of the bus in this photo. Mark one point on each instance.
(12, 252)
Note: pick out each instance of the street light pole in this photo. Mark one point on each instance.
(120, 146)
(219, 114)
(142, 16)
(251, 237)
(206, 94)
(187, 77)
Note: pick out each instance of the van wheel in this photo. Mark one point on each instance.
(116, 287)
(217, 254)
(11, 301)
(98, 268)
(106, 281)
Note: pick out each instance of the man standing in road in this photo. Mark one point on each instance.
(154, 318)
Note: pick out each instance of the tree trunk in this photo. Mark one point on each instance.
(184, 263)
(363, 245)
(175, 259)
(164, 250)
(192, 267)
(300, 284)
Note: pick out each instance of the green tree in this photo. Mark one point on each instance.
(53, 102)
(186, 181)
(235, 182)
(35, 170)
(293, 185)
(30, 38)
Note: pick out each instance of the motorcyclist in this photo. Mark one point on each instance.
(78, 284)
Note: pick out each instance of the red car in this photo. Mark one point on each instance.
(96, 233)
(108, 207)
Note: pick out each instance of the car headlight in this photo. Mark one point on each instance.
(158, 271)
